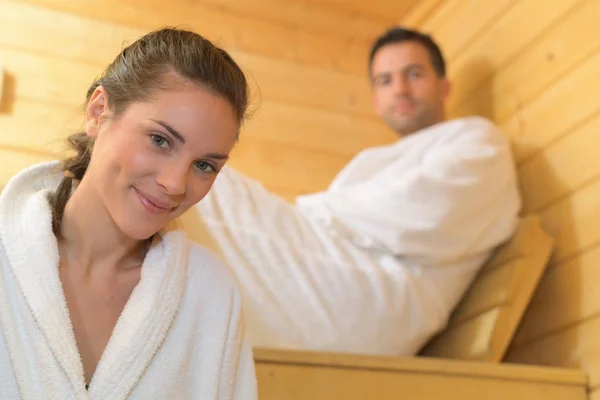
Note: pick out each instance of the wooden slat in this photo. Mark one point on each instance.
(483, 324)
(32, 123)
(304, 377)
(556, 112)
(343, 53)
(314, 129)
(303, 15)
(270, 79)
(38, 126)
(46, 79)
(573, 222)
(500, 43)
(289, 82)
(386, 11)
(286, 167)
(562, 168)
(566, 296)
(14, 161)
(576, 347)
(594, 394)
(470, 340)
(522, 244)
(455, 26)
(42, 30)
(488, 291)
(433, 366)
(545, 60)
(420, 12)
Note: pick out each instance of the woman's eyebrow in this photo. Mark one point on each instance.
(171, 130)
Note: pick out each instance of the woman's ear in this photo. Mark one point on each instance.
(96, 110)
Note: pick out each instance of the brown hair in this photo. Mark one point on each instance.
(137, 72)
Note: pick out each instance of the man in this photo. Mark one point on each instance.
(377, 262)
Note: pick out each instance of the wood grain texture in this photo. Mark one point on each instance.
(303, 376)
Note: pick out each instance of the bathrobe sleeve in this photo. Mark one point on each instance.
(238, 374)
(461, 198)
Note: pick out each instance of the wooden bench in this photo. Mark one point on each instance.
(293, 375)
(461, 362)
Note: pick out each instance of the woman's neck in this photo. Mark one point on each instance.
(90, 239)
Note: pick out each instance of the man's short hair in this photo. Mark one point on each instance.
(399, 35)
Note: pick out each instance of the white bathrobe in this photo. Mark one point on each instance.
(377, 262)
(180, 335)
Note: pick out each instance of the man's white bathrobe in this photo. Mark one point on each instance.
(377, 262)
(180, 335)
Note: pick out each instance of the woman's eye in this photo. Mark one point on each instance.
(159, 141)
(206, 167)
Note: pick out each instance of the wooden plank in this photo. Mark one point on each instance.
(594, 394)
(484, 322)
(561, 168)
(556, 113)
(388, 12)
(470, 340)
(576, 347)
(32, 123)
(454, 27)
(289, 82)
(573, 222)
(566, 296)
(286, 167)
(15, 160)
(346, 54)
(314, 129)
(522, 244)
(47, 79)
(43, 78)
(45, 75)
(292, 382)
(41, 30)
(303, 15)
(490, 290)
(39, 126)
(421, 365)
(420, 12)
(545, 60)
(500, 43)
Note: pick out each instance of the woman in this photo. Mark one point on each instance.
(101, 296)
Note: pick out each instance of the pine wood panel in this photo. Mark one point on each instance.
(537, 68)
(576, 347)
(567, 295)
(563, 167)
(498, 45)
(305, 15)
(240, 33)
(383, 10)
(556, 112)
(453, 24)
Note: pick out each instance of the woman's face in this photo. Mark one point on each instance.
(159, 157)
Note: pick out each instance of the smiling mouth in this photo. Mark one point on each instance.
(152, 206)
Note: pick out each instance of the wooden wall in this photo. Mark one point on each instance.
(306, 60)
(534, 68)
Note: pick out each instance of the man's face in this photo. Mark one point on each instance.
(407, 92)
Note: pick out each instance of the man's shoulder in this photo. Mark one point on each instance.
(472, 128)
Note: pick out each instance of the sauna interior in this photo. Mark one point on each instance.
(532, 67)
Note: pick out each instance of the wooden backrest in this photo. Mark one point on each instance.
(483, 324)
